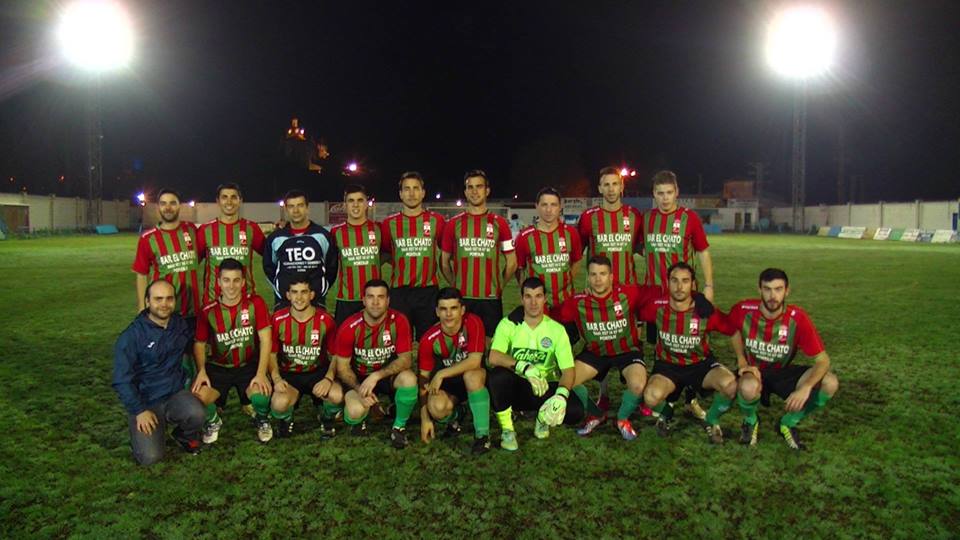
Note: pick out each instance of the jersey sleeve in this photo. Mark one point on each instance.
(386, 240)
(144, 257)
(202, 333)
(522, 250)
(638, 234)
(343, 342)
(648, 312)
(583, 228)
(720, 322)
(476, 337)
(447, 241)
(808, 339)
(201, 240)
(697, 234)
(275, 337)
(576, 250)
(567, 311)
(258, 239)
(506, 237)
(563, 350)
(261, 313)
(736, 315)
(404, 335)
(425, 361)
(502, 336)
(329, 338)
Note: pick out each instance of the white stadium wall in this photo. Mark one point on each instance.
(926, 215)
(49, 212)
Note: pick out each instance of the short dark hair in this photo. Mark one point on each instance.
(296, 194)
(355, 188)
(411, 174)
(229, 185)
(449, 293)
(771, 274)
(601, 260)
(376, 283)
(230, 264)
(166, 191)
(146, 295)
(532, 283)
(476, 172)
(609, 170)
(682, 266)
(548, 191)
(664, 177)
(299, 277)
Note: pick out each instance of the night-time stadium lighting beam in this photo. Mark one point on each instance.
(801, 41)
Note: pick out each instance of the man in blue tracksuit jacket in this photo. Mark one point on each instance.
(148, 376)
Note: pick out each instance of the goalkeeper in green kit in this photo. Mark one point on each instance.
(532, 369)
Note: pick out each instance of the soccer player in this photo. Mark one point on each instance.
(149, 378)
(550, 249)
(299, 364)
(532, 369)
(450, 361)
(683, 354)
(359, 244)
(411, 237)
(171, 251)
(372, 351)
(229, 237)
(237, 329)
(769, 332)
(477, 253)
(299, 248)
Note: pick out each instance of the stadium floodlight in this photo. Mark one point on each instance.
(96, 35)
(142, 198)
(801, 41)
(353, 167)
(437, 196)
(192, 204)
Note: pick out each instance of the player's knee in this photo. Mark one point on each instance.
(439, 406)
(653, 395)
(475, 379)
(830, 384)
(355, 408)
(405, 378)
(335, 395)
(749, 387)
(728, 386)
(148, 455)
(280, 402)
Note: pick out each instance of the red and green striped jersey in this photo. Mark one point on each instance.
(608, 323)
(671, 238)
(229, 241)
(551, 257)
(440, 350)
(359, 257)
(173, 255)
(231, 331)
(616, 234)
(477, 244)
(412, 242)
(372, 347)
(773, 343)
(302, 346)
(682, 336)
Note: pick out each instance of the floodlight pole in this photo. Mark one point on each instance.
(94, 154)
(798, 181)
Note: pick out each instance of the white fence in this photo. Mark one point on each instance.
(918, 214)
(49, 212)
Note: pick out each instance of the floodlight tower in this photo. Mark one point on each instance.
(95, 36)
(800, 44)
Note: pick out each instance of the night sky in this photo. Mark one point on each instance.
(533, 93)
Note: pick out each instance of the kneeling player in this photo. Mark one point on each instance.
(531, 359)
(683, 354)
(769, 333)
(237, 328)
(451, 370)
(302, 337)
(372, 353)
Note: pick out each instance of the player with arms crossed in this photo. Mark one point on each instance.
(299, 364)
(229, 237)
(237, 329)
(411, 236)
(683, 354)
(358, 241)
(450, 361)
(477, 253)
(769, 334)
(372, 351)
(532, 369)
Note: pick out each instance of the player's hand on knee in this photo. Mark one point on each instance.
(434, 385)
(369, 384)
(554, 409)
(796, 400)
(146, 422)
(261, 384)
(281, 385)
(752, 370)
(199, 382)
(322, 388)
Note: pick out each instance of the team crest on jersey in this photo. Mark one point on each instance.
(426, 228)
(461, 340)
(618, 310)
(243, 238)
(546, 343)
(372, 236)
(187, 240)
(626, 224)
(782, 334)
(387, 340)
(490, 231)
(563, 244)
(676, 226)
(694, 326)
(245, 317)
(315, 338)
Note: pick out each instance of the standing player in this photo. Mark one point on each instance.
(237, 329)
(373, 355)
(683, 354)
(451, 370)
(411, 237)
(299, 248)
(614, 230)
(769, 334)
(550, 249)
(299, 364)
(171, 251)
(531, 359)
(359, 242)
(477, 253)
(229, 237)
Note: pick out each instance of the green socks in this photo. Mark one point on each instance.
(815, 402)
(479, 402)
(330, 410)
(665, 410)
(505, 419)
(588, 404)
(353, 421)
(720, 405)
(261, 404)
(286, 415)
(749, 409)
(406, 399)
(212, 415)
(628, 404)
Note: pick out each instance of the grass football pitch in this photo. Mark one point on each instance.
(882, 459)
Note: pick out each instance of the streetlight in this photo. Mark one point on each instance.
(96, 37)
(800, 45)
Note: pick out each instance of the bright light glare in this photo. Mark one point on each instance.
(352, 167)
(459, 202)
(96, 35)
(801, 42)
(193, 204)
(437, 196)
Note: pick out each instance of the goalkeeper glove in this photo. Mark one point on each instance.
(554, 409)
(702, 306)
(531, 373)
